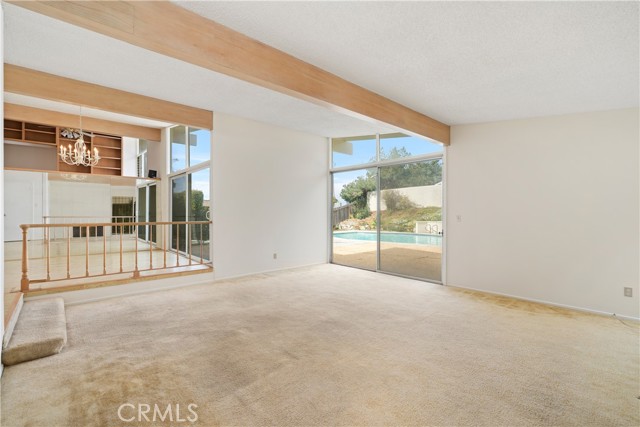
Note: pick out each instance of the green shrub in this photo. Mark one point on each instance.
(396, 201)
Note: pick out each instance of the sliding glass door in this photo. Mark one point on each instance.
(190, 201)
(179, 212)
(199, 210)
(410, 212)
(387, 208)
(353, 219)
(147, 212)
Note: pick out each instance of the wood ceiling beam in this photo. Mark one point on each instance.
(170, 30)
(25, 81)
(54, 118)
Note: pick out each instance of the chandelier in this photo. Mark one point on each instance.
(79, 154)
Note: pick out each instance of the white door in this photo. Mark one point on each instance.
(18, 208)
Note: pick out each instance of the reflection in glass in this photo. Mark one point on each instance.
(178, 137)
(199, 146)
(411, 219)
(353, 151)
(199, 206)
(396, 145)
(152, 217)
(354, 219)
(147, 212)
(178, 211)
(142, 212)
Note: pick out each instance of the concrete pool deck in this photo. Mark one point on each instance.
(421, 261)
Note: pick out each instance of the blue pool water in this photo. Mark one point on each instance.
(416, 239)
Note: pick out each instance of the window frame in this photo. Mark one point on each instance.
(186, 172)
(187, 158)
(439, 155)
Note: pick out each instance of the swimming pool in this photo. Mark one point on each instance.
(416, 239)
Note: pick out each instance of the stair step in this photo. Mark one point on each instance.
(13, 302)
(41, 331)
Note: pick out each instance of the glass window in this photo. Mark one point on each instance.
(353, 151)
(178, 211)
(199, 206)
(142, 211)
(152, 216)
(178, 137)
(354, 218)
(199, 146)
(396, 145)
(410, 219)
(143, 144)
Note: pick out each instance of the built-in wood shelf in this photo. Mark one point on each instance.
(109, 146)
(110, 151)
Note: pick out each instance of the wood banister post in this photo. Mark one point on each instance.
(24, 282)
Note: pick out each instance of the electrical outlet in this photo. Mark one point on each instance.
(275, 255)
(628, 292)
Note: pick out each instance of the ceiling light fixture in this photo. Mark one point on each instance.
(79, 154)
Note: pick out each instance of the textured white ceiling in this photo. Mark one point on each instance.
(460, 62)
(45, 44)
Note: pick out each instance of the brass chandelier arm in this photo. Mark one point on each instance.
(79, 155)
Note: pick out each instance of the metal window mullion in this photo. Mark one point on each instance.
(443, 260)
(330, 213)
(197, 168)
(378, 194)
(186, 147)
(393, 162)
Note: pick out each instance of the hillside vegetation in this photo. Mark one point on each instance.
(395, 220)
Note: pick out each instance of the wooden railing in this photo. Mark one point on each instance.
(61, 219)
(125, 259)
(68, 219)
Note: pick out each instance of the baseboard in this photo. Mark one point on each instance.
(275, 270)
(553, 304)
(139, 288)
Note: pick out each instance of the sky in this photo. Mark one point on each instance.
(200, 146)
(364, 151)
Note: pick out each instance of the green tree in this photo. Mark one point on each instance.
(356, 193)
(198, 213)
(409, 175)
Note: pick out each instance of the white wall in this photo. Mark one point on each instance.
(27, 192)
(547, 209)
(39, 157)
(129, 156)
(269, 195)
(80, 199)
(156, 156)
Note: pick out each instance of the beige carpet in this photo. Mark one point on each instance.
(331, 345)
(41, 331)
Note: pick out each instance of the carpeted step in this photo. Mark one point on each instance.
(41, 331)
